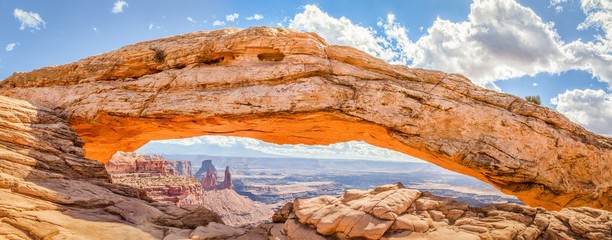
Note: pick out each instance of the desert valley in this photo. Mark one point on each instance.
(492, 165)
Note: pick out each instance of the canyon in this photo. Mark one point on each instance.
(173, 182)
(283, 86)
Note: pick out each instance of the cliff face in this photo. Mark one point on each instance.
(162, 180)
(48, 190)
(132, 162)
(283, 86)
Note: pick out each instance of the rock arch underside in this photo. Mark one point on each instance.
(283, 86)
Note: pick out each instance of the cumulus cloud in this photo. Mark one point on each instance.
(342, 31)
(232, 17)
(593, 56)
(499, 40)
(255, 17)
(29, 19)
(10, 46)
(118, 7)
(218, 23)
(589, 108)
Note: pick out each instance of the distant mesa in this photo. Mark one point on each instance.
(206, 164)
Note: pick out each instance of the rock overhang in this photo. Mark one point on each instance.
(283, 86)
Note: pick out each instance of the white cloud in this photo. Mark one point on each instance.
(557, 5)
(590, 108)
(118, 7)
(151, 26)
(534, 84)
(191, 20)
(341, 32)
(239, 145)
(598, 14)
(593, 56)
(95, 29)
(29, 19)
(11, 46)
(255, 17)
(232, 17)
(499, 40)
(218, 23)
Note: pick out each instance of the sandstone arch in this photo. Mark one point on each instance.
(287, 87)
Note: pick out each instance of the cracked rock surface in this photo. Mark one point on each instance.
(395, 212)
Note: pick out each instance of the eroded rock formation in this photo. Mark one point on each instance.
(227, 180)
(48, 190)
(209, 180)
(395, 212)
(283, 86)
(162, 180)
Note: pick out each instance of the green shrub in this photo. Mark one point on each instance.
(159, 55)
(534, 99)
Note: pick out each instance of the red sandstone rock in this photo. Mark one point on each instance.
(227, 180)
(209, 182)
(163, 180)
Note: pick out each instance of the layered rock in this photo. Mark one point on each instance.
(132, 162)
(48, 190)
(283, 86)
(162, 180)
(236, 210)
(395, 212)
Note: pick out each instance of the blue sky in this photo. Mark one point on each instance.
(560, 50)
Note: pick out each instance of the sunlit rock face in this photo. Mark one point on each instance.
(282, 86)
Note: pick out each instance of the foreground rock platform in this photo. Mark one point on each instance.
(283, 86)
(395, 212)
